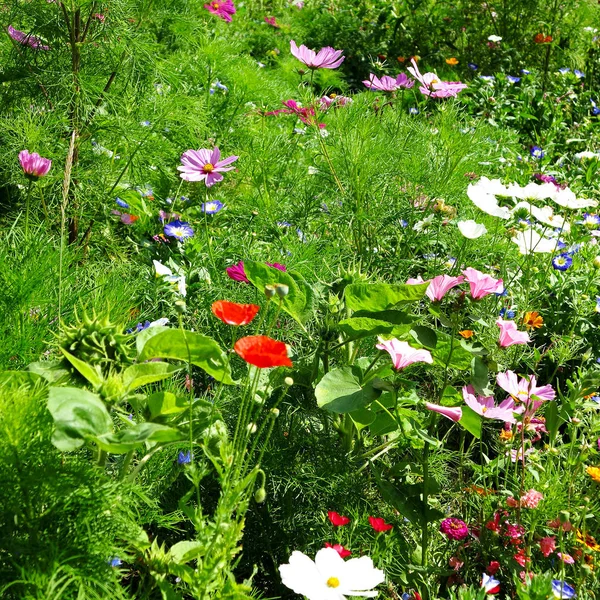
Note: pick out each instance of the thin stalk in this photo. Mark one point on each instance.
(27, 203)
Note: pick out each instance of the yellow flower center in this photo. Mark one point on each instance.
(208, 168)
(215, 5)
(484, 409)
(333, 96)
(333, 582)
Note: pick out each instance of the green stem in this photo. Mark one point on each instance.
(126, 463)
(27, 203)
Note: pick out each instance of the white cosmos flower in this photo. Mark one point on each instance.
(494, 38)
(586, 155)
(177, 281)
(471, 230)
(161, 269)
(530, 241)
(330, 577)
(485, 200)
(545, 215)
(424, 223)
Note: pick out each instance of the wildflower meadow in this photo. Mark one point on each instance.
(299, 299)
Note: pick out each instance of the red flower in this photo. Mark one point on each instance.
(379, 525)
(233, 313)
(336, 519)
(343, 552)
(493, 567)
(262, 351)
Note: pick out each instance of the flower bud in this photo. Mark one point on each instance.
(288, 381)
(180, 306)
(564, 516)
(597, 262)
(282, 290)
(252, 427)
(270, 290)
(260, 495)
(275, 412)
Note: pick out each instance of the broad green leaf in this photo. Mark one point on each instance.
(341, 392)
(359, 327)
(362, 417)
(471, 421)
(143, 336)
(183, 552)
(92, 374)
(141, 374)
(383, 423)
(132, 437)
(166, 403)
(50, 370)
(198, 349)
(479, 377)
(78, 415)
(411, 508)
(381, 296)
(425, 336)
(445, 350)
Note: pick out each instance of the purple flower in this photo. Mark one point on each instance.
(221, 8)
(34, 166)
(326, 58)
(387, 83)
(454, 529)
(536, 152)
(578, 74)
(204, 165)
(180, 230)
(562, 262)
(115, 561)
(473, 66)
(513, 79)
(122, 203)
(525, 72)
(184, 458)
(26, 39)
(561, 589)
(564, 70)
(212, 207)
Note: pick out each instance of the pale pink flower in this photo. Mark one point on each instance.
(440, 285)
(548, 545)
(485, 406)
(531, 499)
(566, 558)
(432, 86)
(402, 353)
(415, 280)
(525, 392)
(387, 83)
(517, 455)
(510, 335)
(481, 284)
(26, 39)
(454, 413)
(326, 58)
(512, 502)
(204, 165)
(34, 166)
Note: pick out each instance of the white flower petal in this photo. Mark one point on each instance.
(531, 241)
(471, 230)
(161, 269)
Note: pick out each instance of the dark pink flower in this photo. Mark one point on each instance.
(237, 273)
(25, 39)
(432, 86)
(548, 545)
(272, 21)
(454, 529)
(326, 58)
(204, 165)
(336, 519)
(34, 166)
(221, 8)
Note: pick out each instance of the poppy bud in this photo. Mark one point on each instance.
(282, 290)
(270, 290)
(180, 306)
(564, 516)
(260, 495)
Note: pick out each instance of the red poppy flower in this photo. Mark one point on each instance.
(336, 519)
(343, 552)
(233, 313)
(379, 525)
(262, 352)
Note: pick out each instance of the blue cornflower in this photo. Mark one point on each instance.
(487, 77)
(562, 262)
(597, 307)
(525, 72)
(564, 70)
(115, 561)
(413, 111)
(122, 203)
(145, 123)
(473, 66)
(184, 458)
(561, 589)
(591, 221)
(301, 235)
(210, 208)
(403, 223)
(284, 224)
(180, 230)
(220, 86)
(537, 152)
(513, 79)
(578, 74)
(506, 313)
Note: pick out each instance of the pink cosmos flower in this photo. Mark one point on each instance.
(440, 285)
(35, 43)
(566, 558)
(204, 165)
(221, 8)
(306, 115)
(326, 58)
(481, 284)
(387, 83)
(454, 529)
(510, 335)
(454, 413)
(484, 406)
(402, 353)
(432, 86)
(527, 395)
(333, 100)
(34, 166)
(548, 545)
(237, 273)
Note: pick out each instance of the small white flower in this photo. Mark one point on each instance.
(329, 577)
(494, 38)
(159, 322)
(586, 155)
(161, 269)
(423, 224)
(471, 230)
(530, 241)
(312, 170)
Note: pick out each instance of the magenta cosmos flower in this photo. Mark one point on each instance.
(221, 8)
(387, 83)
(525, 392)
(25, 39)
(510, 335)
(481, 284)
(440, 285)
(326, 58)
(34, 166)
(237, 272)
(454, 529)
(204, 165)
(484, 405)
(454, 413)
(402, 353)
(432, 86)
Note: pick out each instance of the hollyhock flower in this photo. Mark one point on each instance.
(548, 545)
(562, 262)
(471, 230)
(336, 519)
(326, 58)
(402, 353)
(440, 285)
(379, 525)
(493, 567)
(232, 313)
(180, 230)
(35, 43)
(212, 207)
(34, 166)
(432, 86)
(561, 589)
(452, 413)
(481, 284)
(204, 165)
(491, 585)
(454, 529)
(329, 576)
(343, 552)
(221, 8)
(484, 406)
(510, 335)
(262, 352)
